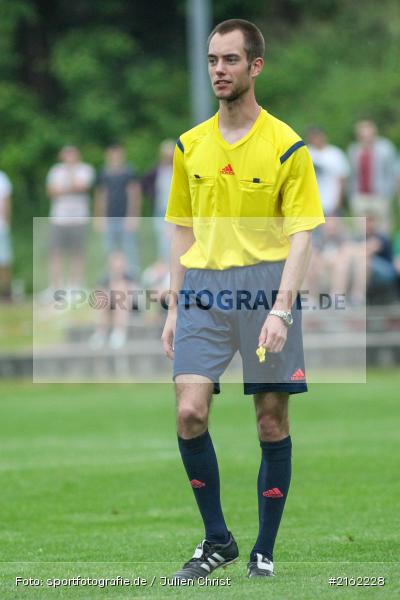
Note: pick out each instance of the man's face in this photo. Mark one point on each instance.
(69, 155)
(230, 73)
(366, 132)
(115, 156)
(167, 153)
(317, 139)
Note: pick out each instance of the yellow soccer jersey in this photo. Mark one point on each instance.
(245, 199)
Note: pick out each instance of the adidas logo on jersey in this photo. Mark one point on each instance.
(227, 170)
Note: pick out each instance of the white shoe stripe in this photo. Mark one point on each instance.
(218, 557)
(264, 563)
(199, 550)
(212, 562)
(206, 566)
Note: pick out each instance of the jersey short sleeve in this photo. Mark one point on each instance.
(179, 208)
(301, 203)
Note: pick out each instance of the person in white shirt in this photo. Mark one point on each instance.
(332, 170)
(68, 186)
(5, 241)
(157, 184)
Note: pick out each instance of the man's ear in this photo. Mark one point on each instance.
(257, 66)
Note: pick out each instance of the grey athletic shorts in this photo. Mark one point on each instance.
(221, 312)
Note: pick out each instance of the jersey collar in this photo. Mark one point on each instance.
(261, 117)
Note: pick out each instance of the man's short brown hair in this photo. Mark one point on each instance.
(254, 44)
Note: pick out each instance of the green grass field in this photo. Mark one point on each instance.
(92, 485)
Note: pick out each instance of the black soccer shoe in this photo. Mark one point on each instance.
(207, 557)
(260, 566)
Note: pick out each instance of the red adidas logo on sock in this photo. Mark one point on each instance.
(195, 483)
(298, 375)
(273, 493)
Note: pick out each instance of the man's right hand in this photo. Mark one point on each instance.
(168, 334)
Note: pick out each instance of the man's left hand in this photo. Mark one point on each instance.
(273, 334)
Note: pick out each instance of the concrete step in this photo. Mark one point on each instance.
(142, 358)
(138, 330)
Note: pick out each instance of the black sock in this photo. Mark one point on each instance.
(201, 465)
(273, 486)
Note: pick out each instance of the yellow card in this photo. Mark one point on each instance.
(261, 353)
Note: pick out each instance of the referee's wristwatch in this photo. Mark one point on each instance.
(285, 315)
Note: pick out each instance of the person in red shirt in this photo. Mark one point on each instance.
(373, 174)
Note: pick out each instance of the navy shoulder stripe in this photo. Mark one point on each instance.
(180, 145)
(292, 149)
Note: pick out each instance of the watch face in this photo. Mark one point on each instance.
(289, 319)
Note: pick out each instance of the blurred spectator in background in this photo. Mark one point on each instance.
(5, 241)
(114, 316)
(396, 257)
(327, 251)
(156, 186)
(68, 186)
(381, 272)
(373, 174)
(366, 266)
(332, 170)
(118, 206)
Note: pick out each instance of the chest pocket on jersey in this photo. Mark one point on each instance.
(257, 199)
(202, 193)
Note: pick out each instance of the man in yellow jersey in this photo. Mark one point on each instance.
(243, 202)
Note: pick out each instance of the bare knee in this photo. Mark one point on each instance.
(272, 418)
(272, 429)
(192, 411)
